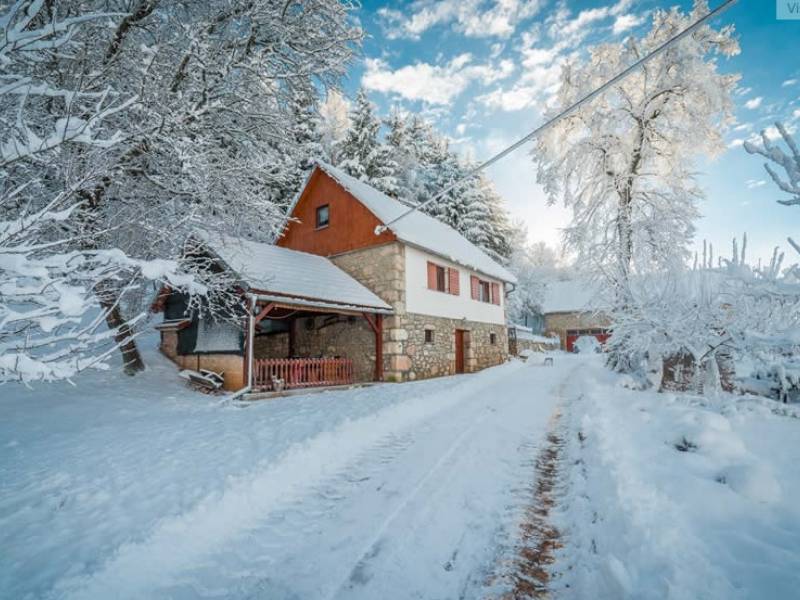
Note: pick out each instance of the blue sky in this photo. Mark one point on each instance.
(482, 70)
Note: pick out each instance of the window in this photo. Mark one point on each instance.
(429, 336)
(485, 291)
(443, 279)
(323, 216)
(493, 338)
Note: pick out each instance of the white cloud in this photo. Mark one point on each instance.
(542, 60)
(755, 183)
(474, 18)
(796, 114)
(737, 143)
(626, 22)
(743, 127)
(789, 82)
(754, 103)
(432, 83)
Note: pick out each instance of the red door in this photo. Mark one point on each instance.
(572, 337)
(459, 350)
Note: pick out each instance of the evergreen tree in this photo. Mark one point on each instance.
(362, 154)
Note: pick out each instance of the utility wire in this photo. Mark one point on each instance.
(572, 108)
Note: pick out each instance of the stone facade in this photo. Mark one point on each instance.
(558, 323)
(325, 336)
(406, 354)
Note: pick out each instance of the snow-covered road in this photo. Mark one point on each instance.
(397, 491)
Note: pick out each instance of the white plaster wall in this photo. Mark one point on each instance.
(421, 300)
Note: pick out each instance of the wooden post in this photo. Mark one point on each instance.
(377, 328)
(379, 348)
(291, 338)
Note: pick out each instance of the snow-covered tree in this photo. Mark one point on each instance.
(362, 153)
(534, 265)
(789, 162)
(215, 85)
(51, 326)
(335, 121)
(624, 162)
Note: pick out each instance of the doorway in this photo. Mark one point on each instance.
(460, 340)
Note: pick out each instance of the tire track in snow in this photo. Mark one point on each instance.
(358, 569)
(178, 543)
(373, 546)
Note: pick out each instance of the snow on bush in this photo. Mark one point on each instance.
(587, 344)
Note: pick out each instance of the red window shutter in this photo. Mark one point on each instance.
(454, 283)
(495, 293)
(475, 286)
(431, 276)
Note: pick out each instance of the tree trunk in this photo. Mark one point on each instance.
(131, 358)
(106, 293)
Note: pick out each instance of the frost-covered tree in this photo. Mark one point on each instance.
(695, 322)
(215, 85)
(51, 326)
(334, 123)
(534, 265)
(424, 164)
(362, 153)
(624, 163)
(789, 162)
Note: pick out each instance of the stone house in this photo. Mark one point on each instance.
(339, 294)
(572, 309)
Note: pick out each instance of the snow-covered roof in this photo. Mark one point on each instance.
(418, 229)
(285, 272)
(574, 295)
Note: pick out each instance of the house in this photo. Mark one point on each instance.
(572, 309)
(287, 299)
(417, 300)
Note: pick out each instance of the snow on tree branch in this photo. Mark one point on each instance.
(789, 162)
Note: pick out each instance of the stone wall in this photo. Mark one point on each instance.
(411, 357)
(382, 270)
(559, 323)
(326, 336)
(533, 346)
(406, 355)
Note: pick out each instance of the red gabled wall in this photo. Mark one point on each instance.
(351, 227)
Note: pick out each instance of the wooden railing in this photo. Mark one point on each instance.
(271, 373)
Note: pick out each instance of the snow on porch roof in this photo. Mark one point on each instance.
(418, 229)
(290, 273)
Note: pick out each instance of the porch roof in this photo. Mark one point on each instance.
(318, 305)
(288, 276)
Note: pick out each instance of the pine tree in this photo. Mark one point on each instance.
(362, 154)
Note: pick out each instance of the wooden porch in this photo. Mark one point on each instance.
(290, 369)
(278, 374)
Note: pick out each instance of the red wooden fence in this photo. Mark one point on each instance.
(302, 372)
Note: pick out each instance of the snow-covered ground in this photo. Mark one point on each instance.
(139, 488)
(678, 496)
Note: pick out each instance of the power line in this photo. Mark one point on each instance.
(570, 109)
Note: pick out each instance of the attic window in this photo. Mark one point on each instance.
(323, 216)
(429, 336)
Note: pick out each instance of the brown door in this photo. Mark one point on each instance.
(459, 350)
